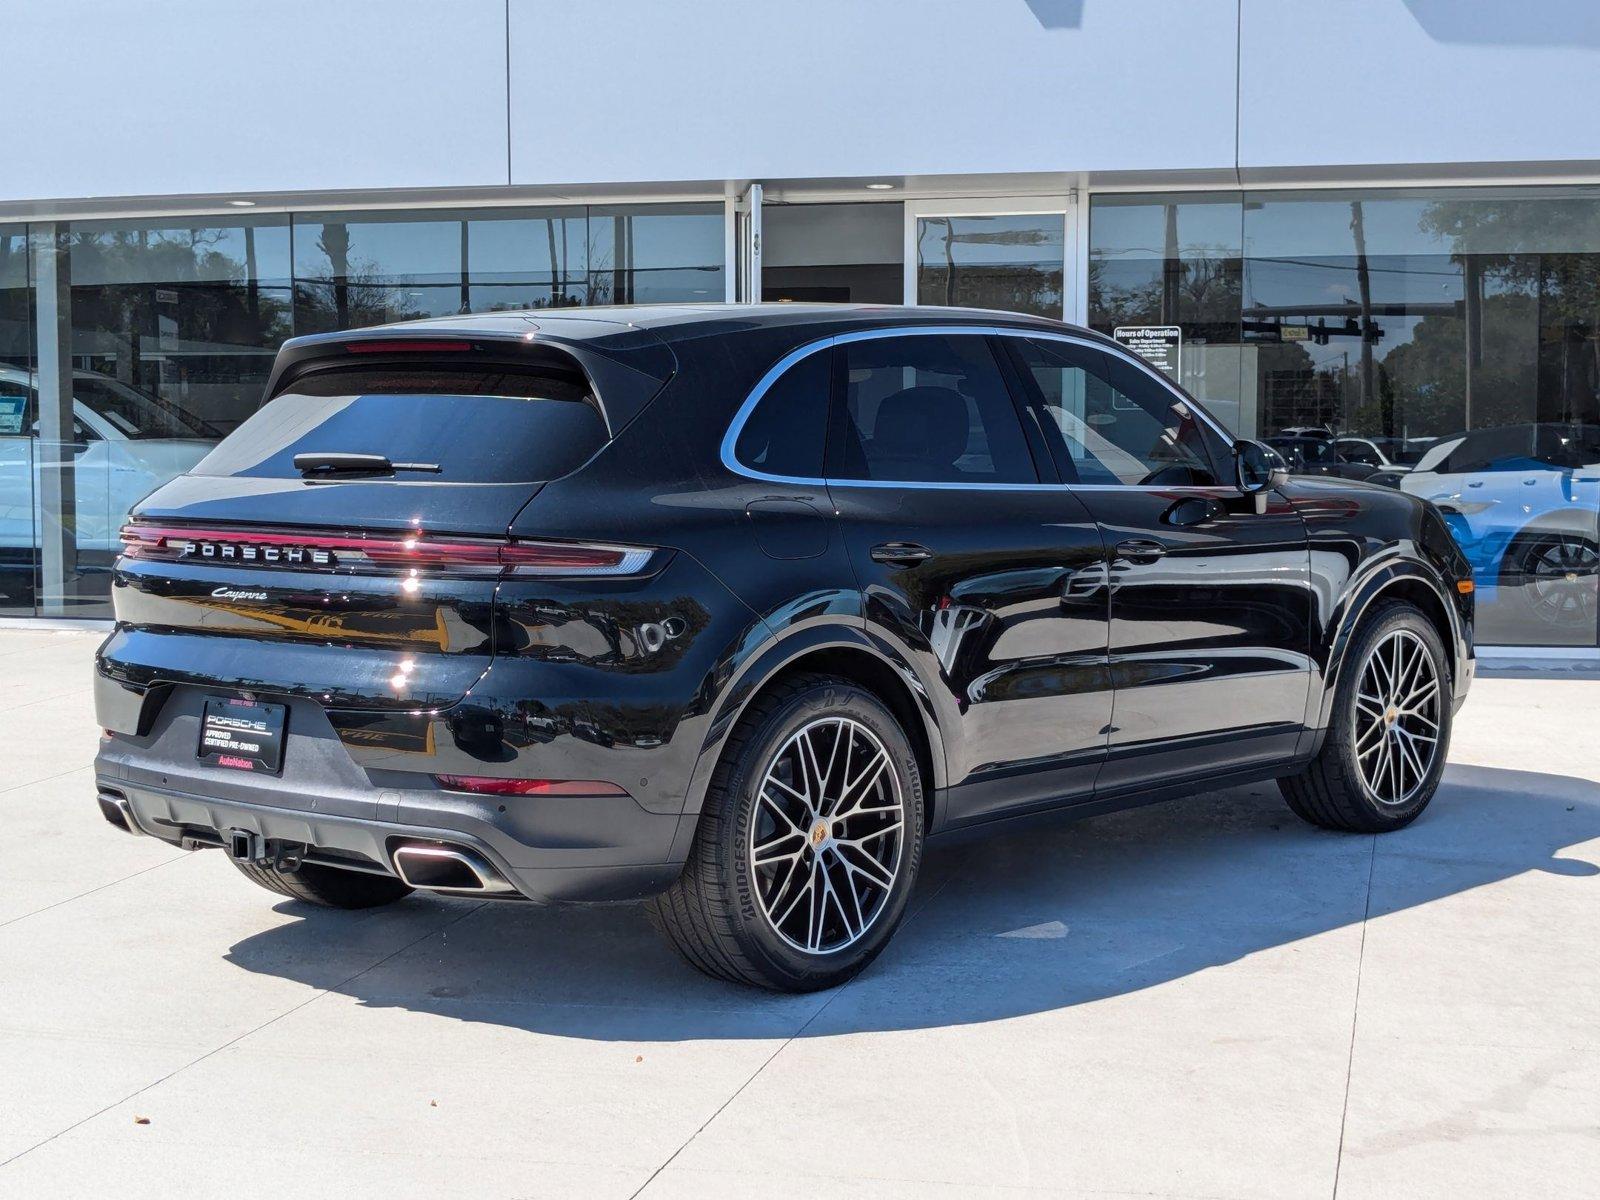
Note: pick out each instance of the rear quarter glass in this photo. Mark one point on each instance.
(478, 426)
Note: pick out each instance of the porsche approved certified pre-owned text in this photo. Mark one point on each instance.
(731, 608)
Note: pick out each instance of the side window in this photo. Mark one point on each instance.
(1356, 451)
(784, 434)
(929, 409)
(1116, 425)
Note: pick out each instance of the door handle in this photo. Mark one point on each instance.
(1138, 550)
(900, 554)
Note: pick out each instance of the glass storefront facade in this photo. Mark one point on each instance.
(167, 331)
(1446, 343)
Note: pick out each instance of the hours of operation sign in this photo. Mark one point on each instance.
(1159, 345)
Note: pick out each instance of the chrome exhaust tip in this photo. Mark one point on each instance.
(114, 807)
(436, 868)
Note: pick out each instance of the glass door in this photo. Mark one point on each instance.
(19, 437)
(747, 246)
(1017, 255)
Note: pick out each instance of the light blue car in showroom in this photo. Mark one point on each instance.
(1524, 503)
(126, 443)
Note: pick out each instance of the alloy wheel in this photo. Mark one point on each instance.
(1397, 715)
(828, 837)
(1562, 581)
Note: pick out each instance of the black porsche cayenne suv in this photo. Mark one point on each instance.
(732, 608)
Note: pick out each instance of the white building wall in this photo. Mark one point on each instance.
(612, 90)
(1418, 81)
(112, 98)
(211, 97)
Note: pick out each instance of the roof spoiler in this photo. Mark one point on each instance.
(626, 366)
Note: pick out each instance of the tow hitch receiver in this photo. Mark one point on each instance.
(245, 846)
(248, 847)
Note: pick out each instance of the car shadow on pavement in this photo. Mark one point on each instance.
(1029, 921)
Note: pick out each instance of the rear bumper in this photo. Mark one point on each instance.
(546, 847)
(533, 872)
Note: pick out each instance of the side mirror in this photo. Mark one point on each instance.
(1258, 469)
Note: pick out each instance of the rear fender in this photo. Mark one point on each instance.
(767, 661)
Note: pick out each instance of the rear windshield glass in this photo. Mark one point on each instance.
(477, 426)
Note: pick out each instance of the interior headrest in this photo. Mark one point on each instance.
(923, 424)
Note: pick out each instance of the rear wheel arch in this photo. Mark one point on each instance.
(845, 653)
(876, 676)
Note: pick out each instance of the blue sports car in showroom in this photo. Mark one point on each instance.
(1524, 503)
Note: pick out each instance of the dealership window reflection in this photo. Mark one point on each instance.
(1015, 263)
(1446, 343)
(353, 269)
(171, 329)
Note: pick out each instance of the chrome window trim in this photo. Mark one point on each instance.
(736, 426)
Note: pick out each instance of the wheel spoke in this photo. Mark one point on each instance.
(834, 893)
(868, 868)
(893, 827)
(1374, 730)
(768, 853)
(855, 896)
(1417, 735)
(774, 781)
(817, 909)
(1416, 664)
(1412, 758)
(1426, 690)
(800, 893)
(856, 791)
(778, 810)
(1391, 768)
(839, 734)
(812, 772)
(1411, 714)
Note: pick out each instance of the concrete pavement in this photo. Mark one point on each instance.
(1205, 998)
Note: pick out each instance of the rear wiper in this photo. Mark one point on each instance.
(336, 463)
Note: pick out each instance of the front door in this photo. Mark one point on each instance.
(1211, 601)
(975, 563)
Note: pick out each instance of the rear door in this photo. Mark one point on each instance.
(362, 589)
(975, 562)
(1211, 602)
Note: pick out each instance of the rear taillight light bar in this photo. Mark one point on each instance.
(492, 785)
(406, 346)
(382, 553)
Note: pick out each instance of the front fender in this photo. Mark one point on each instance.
(1397, 571)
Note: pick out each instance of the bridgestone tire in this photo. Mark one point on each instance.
(713, 914)
(1331, 792)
